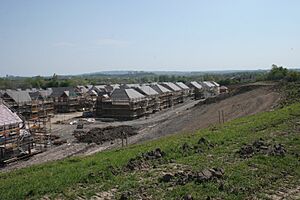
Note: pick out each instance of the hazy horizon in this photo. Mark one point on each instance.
(77, 37)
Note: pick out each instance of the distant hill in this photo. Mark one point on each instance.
(170, 73)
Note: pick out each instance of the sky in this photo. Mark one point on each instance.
(43, 37)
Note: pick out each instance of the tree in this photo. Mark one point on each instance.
(277, 73)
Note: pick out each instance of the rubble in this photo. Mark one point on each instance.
(261, 147)
(184, 177)
(101, 135)
(141, 162)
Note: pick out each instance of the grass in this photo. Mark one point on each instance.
(244, 178)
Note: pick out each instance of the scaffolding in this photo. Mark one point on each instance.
(37, 125)
(122, 109)
(15, 140)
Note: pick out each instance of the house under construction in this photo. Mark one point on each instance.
(165, 98)
(14, 139)
(177, 92)
(41, 104)
(65, 99)
(122, 104)
(211, 88)
(185, 90)
(151, 95)
(196, 90)
(19, 101)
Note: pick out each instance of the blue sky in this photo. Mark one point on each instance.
(74, 36)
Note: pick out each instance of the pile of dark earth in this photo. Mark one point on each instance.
(261, 147)
(101, 135)
(144, 160)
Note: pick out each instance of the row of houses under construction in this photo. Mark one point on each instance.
(25, 113)
(135, 100)
(113, 101)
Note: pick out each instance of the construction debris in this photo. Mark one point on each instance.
(101, 135)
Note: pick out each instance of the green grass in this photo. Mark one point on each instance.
(243, 177)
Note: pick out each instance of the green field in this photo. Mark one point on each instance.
(243, 177)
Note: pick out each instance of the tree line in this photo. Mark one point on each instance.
(277, 73)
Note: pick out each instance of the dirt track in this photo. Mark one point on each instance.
(182, 118)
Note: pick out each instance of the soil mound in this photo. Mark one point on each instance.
(142, 161)
(101, 135)
(261, 147)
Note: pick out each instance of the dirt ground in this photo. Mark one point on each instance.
(249, 103)
(184, 117)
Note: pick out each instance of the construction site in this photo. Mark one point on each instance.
(128, 114)
(30, 117)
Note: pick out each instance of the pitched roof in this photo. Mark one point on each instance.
(196, 85)
(126, 95)
(89, 86)
(7, 117)
(147, 90)
(182, 85)
(99, 88)
(208, 84)
(133, 85)
(46, 93)
(215, 83)
(115, 86)
(92, 92)
(40, 94)
(171, 86)
(59, 91)
(19, 96)
(82, 89)
(159, 88)
(133, 94)
(35, 95)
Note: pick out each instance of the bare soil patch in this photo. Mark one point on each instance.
(101, 135)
